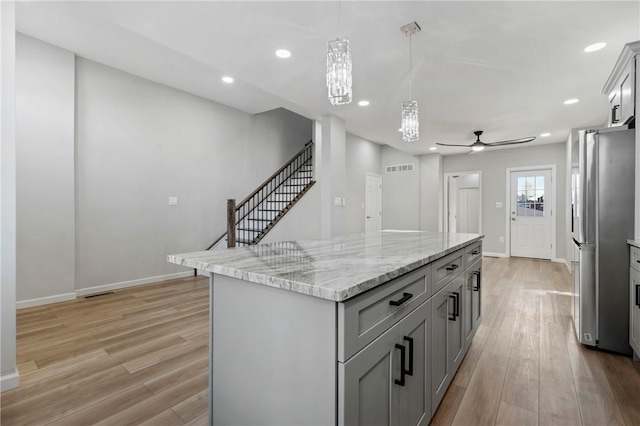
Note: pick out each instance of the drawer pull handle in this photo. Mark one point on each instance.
(402, 364)
(478, 280)
(452, 267)
(453, 315)
(637, 260)
(475, 252)
(638, 295)
(456, 310)
(410, 340)
(405, 297)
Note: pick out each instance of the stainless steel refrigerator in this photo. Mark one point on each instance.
(602, 179)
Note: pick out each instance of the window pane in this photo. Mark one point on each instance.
(531, 182)
(540, 196)
(521, 184)
(540, 182)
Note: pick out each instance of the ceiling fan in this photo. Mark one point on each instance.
(478, 145)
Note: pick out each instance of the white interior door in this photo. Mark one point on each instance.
(531, 213)
(468, 212)
(373, 203)
(452, 203)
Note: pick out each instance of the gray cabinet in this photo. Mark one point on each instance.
(634, 313)
(472, 314)
(447, 338)
(388, 381)
(620, 87)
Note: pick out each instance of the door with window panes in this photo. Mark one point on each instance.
(531, 213)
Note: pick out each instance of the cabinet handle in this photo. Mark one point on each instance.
(614, 114)
(452, 267)
(478, 279)
(405, 297)
(402, 366)
(410, 340)
(453, 315)
(638, 295)
(475, 252)
(456, 310)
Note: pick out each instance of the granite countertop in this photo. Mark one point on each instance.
(333, 269)
(634, 243)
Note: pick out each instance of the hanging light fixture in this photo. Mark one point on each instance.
(339, 78)
(409, 109)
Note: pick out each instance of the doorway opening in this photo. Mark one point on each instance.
(530, 217)
(463, 202)
(373, 203)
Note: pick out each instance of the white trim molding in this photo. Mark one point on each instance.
(489, 254)
(99, 289)
(30, 303)
(561, 260)
(9, 381)
(132, 283)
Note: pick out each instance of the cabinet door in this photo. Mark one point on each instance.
(634, 317)
(374, 390)
(411, 403)
(476, 295)
(626, 90)
(467, 316)
(456, 326)
(441, 313)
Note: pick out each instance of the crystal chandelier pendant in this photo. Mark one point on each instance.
(410, 124)
(339, 71)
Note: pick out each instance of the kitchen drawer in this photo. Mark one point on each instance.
(365, 317)
(634, 259)
(446, 268)
(472, 253)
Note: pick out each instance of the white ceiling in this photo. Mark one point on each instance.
(504, 67)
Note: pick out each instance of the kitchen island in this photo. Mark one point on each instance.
(360, 329)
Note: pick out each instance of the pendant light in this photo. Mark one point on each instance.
(409, 109)
(339, 78)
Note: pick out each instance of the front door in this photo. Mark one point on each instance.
(531, 213)
(373, 203)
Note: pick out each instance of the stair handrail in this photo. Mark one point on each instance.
(233, 207)
(273, 176)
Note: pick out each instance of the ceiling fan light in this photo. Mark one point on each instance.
(477, 148)
(339, 79)
(410, 123)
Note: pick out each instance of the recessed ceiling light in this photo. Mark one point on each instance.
(433, 148)
(363, 103)
(595, 46)
(227, 79)
(283, 53)
(571, 101)
(477, 148)
(544, 135)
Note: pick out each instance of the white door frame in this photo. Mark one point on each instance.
(445, 197)
(554, 207)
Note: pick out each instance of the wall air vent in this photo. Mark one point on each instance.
(399, 168)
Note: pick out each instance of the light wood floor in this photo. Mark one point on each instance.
(139, 356)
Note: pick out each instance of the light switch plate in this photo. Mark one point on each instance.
(498, 204)
(502, 239)
(173, 201)
(337, 201)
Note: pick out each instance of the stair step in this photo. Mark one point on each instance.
(249, 230)
(241, 241)
(269, 210)
(260, 220)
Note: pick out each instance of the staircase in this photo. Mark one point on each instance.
(250, 220)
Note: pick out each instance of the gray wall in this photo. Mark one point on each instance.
(8, 373)
(400, 191)
(493, 164)
(140, 142)
(430, 192)
(45, 169)
(362, 157)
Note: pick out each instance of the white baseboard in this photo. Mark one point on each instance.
(489, 254)
(98, 289)
(9, 381)
(560, 260)
(30, 303)
(132, 283)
